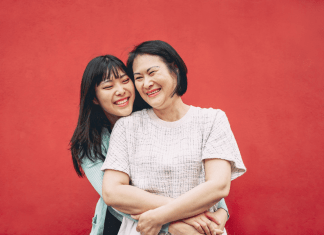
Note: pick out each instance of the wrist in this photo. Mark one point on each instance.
(223, 213)
(161, 215)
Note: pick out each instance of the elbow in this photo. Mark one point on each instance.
(226, 189)
(222, 190)
(108, 196)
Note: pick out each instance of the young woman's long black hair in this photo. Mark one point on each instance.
(86, 140)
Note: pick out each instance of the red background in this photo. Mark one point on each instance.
(259, 61)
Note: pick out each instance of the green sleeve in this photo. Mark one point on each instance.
(222, 204)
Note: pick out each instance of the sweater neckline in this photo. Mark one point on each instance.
(161, 122)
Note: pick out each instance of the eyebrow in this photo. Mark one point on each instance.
(109, 80)
(149, 69)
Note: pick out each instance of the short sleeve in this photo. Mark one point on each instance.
(117, 156)
(221, 144)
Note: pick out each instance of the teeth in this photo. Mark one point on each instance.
(122, 102)
(153, 92)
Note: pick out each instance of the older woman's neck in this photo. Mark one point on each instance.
(172, 112)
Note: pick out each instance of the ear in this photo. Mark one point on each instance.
(95, 101)
(176, 67)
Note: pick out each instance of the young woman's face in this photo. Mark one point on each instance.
(116, 95)
(154, 81)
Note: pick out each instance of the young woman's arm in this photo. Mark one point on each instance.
(93, 173)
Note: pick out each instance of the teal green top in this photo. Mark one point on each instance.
(95, 176)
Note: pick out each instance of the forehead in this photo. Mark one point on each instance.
(146, 61)
(114, 73)
(112, 76)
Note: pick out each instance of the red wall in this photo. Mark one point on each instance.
(259, 61)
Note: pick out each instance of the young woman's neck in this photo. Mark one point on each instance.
(174, 112)
(112, 119)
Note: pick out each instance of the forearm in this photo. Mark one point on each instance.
(132, 200)
(129, 199)
(194, 202)
(200, 198)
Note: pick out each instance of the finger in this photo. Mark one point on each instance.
(211, 225)
(138, 228)
(204, 226)
(218, 231)
(198, 228)
(213, 218)
(136, 217)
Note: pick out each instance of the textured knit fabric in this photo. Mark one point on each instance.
(95, 176)
(166, 158)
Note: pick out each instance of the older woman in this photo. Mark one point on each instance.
(107, 93)
(172, 150)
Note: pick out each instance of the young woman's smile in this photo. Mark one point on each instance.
(116, 95)
(122, 102)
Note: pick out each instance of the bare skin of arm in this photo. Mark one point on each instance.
(140, 201)
(118, 193)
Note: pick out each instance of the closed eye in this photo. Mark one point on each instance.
(108, 87)
(126, 81)
(138, 78)
(152, 73)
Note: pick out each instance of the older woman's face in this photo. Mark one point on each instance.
(154, 81)
(116, 95)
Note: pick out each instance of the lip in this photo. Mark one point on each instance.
(155, 94)
(123, 104)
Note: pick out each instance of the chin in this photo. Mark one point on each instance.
(125, 113)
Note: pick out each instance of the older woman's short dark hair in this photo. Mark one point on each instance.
(168, 54)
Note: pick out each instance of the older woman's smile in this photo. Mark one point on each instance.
(153, 92)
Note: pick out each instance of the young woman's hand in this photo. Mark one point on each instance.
(148, 224)
(219, 217)
(181, 228)
(203, 224)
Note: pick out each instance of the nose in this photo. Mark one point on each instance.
(148, 83)
(120, 91)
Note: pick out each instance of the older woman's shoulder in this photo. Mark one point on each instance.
(208, 113)
(134, 119)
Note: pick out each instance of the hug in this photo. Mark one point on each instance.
(159, 165)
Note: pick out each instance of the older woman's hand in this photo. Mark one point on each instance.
(148, 223)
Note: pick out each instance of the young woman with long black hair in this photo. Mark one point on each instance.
(107, 93)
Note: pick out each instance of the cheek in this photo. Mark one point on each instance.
(137, 87)
(104, 98)
(131, 88)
